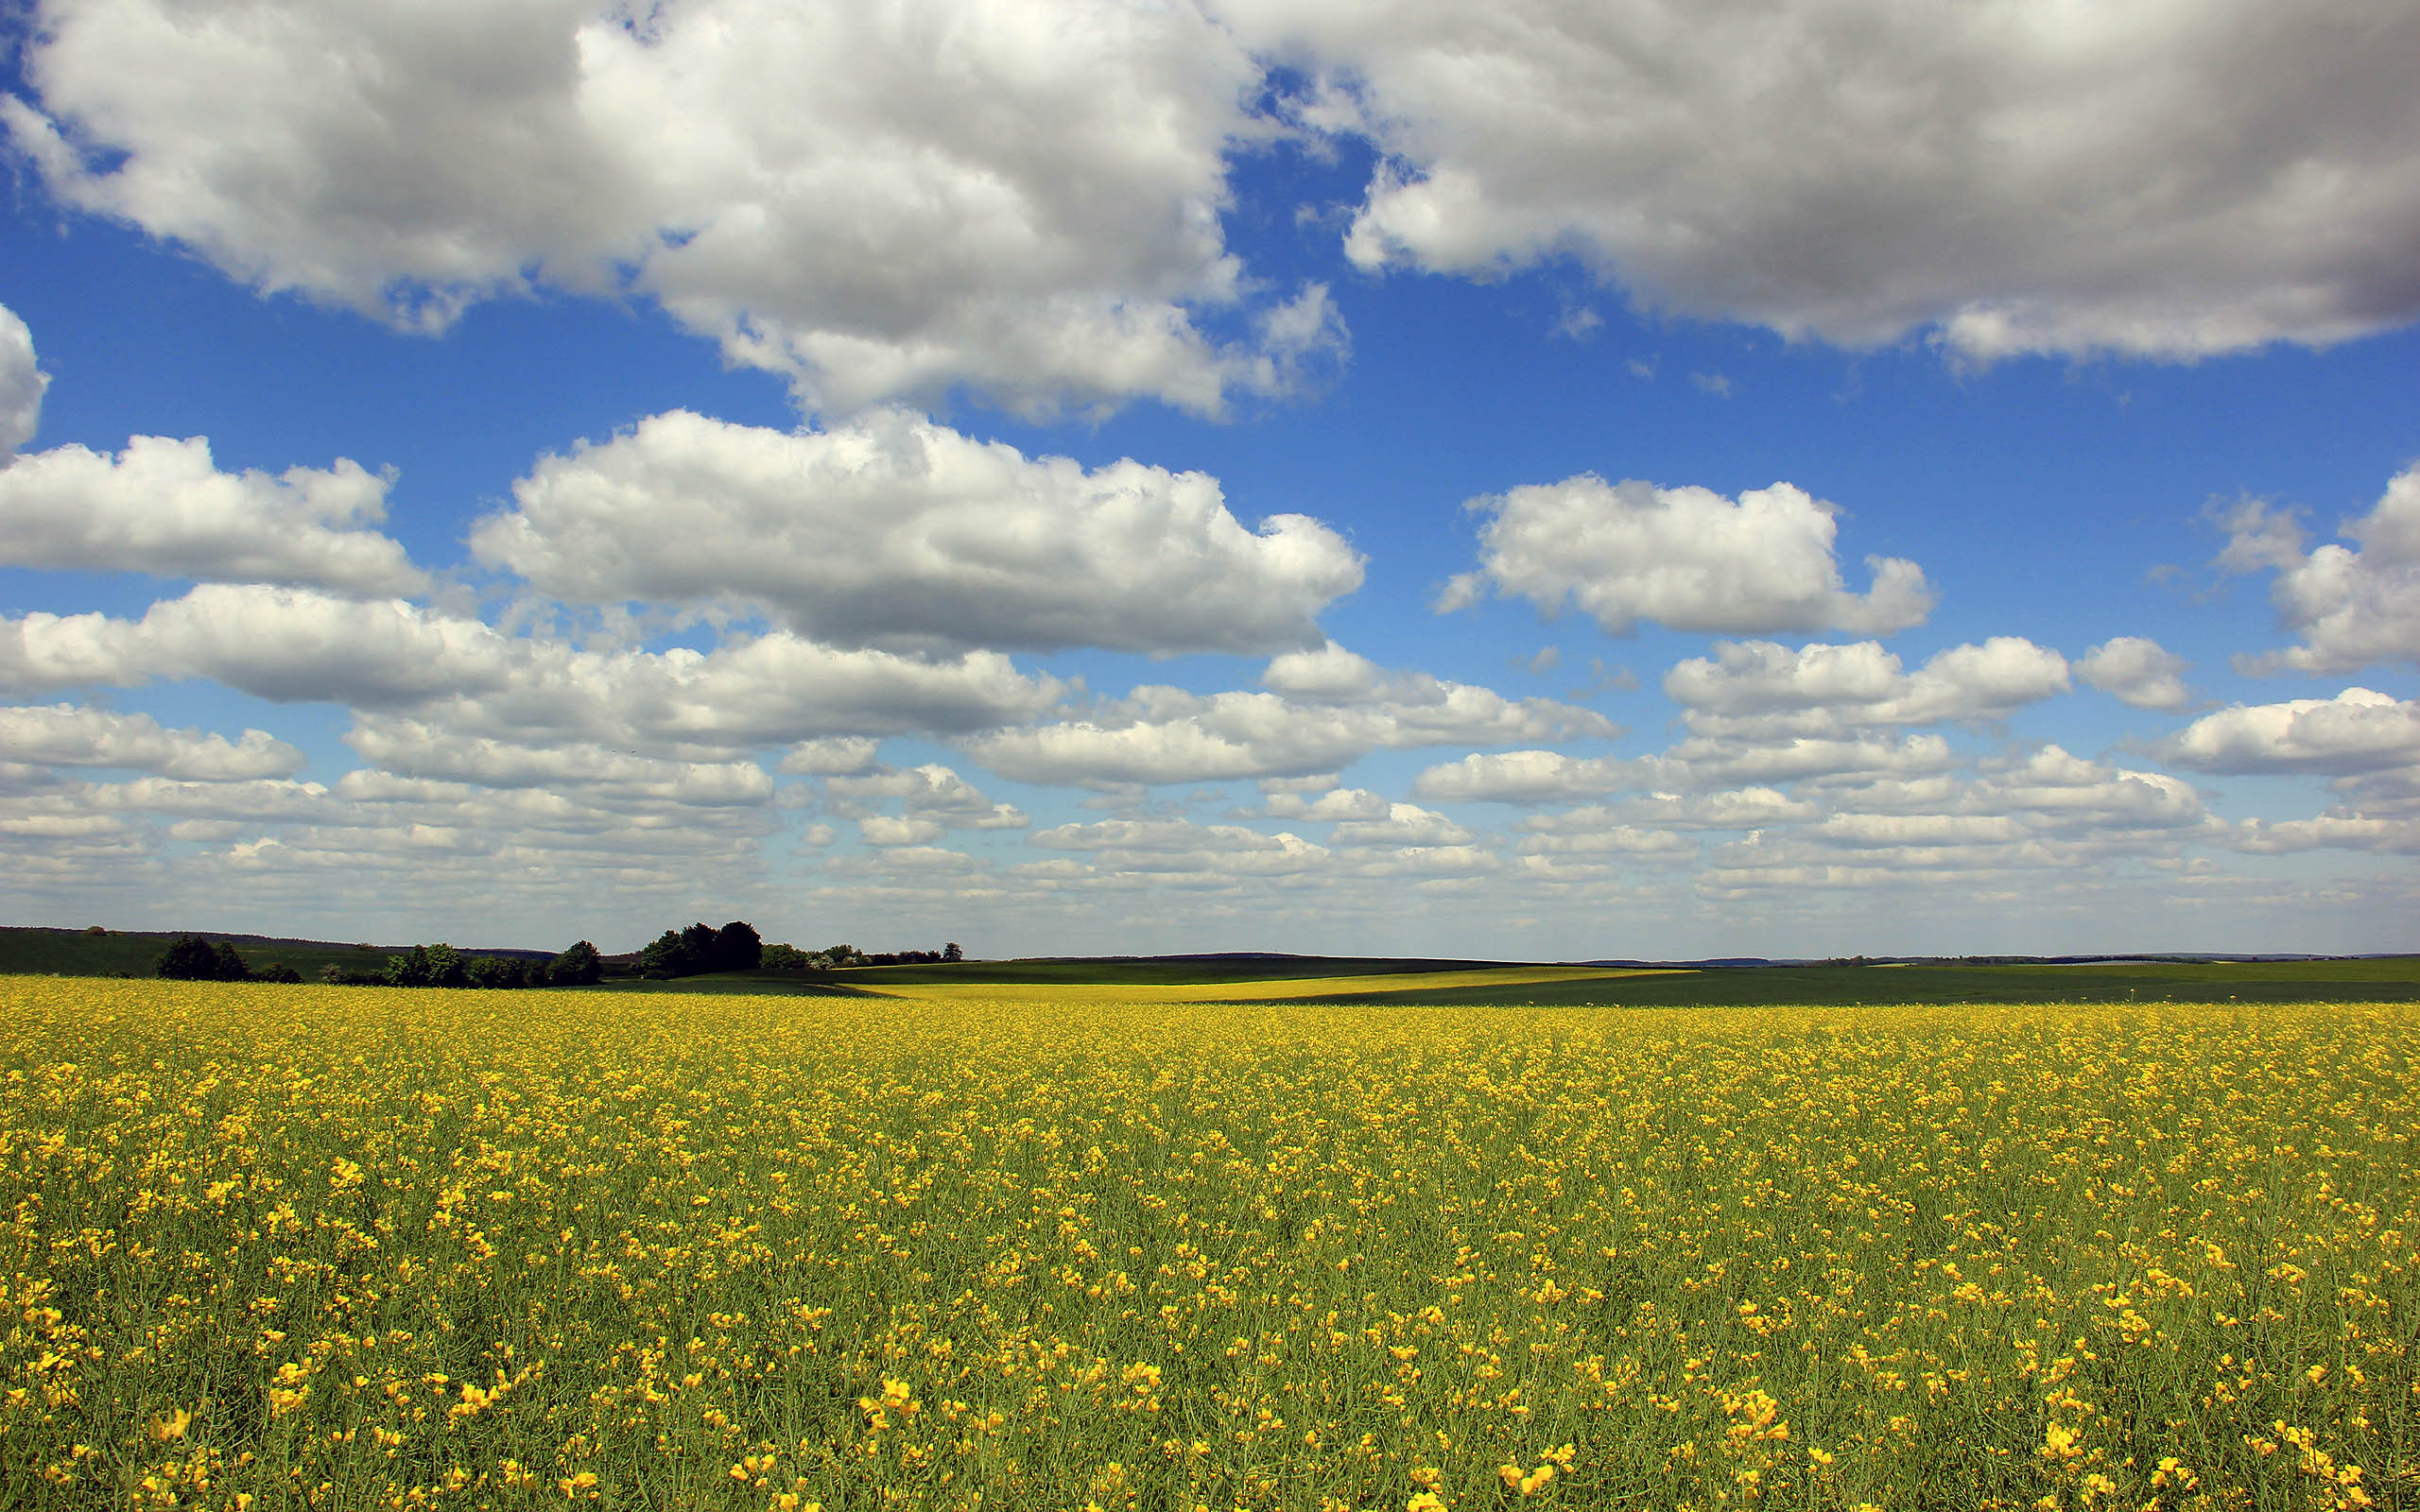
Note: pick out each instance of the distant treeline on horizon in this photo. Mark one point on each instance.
(698, 950)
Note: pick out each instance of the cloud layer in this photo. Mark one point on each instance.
(880, 201)
(2017, 178)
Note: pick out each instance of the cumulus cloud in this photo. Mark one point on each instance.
(21, 384)
(414, 748)
(1335, 803)
(891, 530)
(1687, 557)
(72, 735)
(932, 794)
(2357, 731)
(2026, 178)
(2352, 605)
(1761, 687)
(1701, 763)
(833, 756)
(1339, 709)
(892, 829)
(1730, 761)
(1523, 777)
(2136, 671)
(163, 506)
(1593, 831)
(1405, 824)
(1742, 808)
(470, 679)
(1181, 846)
(878, 201)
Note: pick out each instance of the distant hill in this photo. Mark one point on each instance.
(135, 951)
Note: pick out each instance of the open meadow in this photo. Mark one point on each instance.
(1046, 1247)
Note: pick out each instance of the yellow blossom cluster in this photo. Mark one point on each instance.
(281, 1247)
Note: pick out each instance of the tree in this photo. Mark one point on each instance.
(737, 948)
(280, 972)
(951, 953)
(579, 966)
(445, 966)
(192, 958)
(407, 970)
(665, 957)
(492, 971)
(784, 958)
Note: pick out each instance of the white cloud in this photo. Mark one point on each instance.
(163, 506)
(879, 200)
(2357, 731)
(1742, 808)
(22, 384)
(1405, 824)
(2165, 181)
(2335, 832)
(1758, 687)
(889, 830)
(1687, 558)
(833, 756)
(2136, 671)
(466, 676)
(70, 735)
(933, 793)
(2352, 605)
(1523, 777)
(414, 749)
(1593, 832)
(1335, 803)
(1342, 709)
(891, 530)
(1720, 762)
(1180, 846)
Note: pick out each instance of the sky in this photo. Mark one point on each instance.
(1546, 480)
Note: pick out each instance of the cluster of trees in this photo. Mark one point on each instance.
(441, 964)
(698, 949)
(791, 958)
(192, 958)
(701, 948)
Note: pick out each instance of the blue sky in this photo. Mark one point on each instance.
(1560, 481)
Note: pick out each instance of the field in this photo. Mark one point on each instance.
(1060, 1248)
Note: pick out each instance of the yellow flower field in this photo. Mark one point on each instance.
(274, 1246)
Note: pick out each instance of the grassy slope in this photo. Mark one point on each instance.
(1155, 972)
(130, 952)
(2393, 979)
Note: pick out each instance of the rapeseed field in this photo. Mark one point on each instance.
(271, 1248)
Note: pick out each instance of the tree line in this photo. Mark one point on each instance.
(701, 948)
(192, 958)
(693, 951)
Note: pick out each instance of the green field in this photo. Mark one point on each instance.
(2385, 979)
(134, 952)
(2381, 979)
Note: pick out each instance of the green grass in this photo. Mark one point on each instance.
(749, 984)
(1181, 971)
(135, 953)
(2390, 979)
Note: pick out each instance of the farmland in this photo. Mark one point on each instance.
(1058, 1247)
